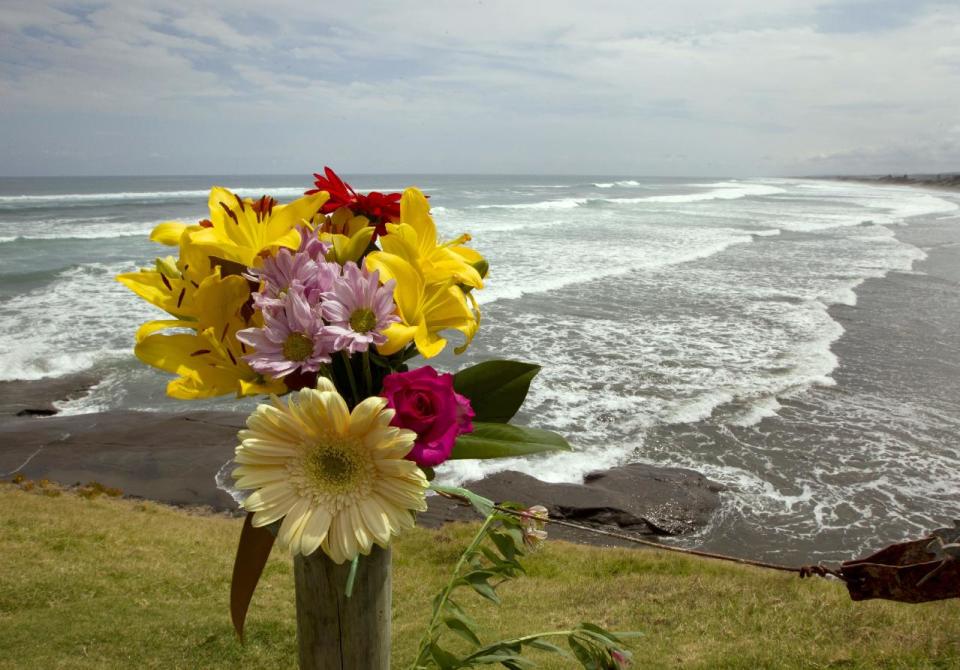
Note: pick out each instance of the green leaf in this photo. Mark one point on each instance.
(455, 610)
(543, 645)
(445, 660)
(461, 628)
(497, 657)
(505, 544)
(515, 534)
(496, 389)
(481, 504)
(583, 653)
(500, 440)
(499, 652)
(478, 581)
(604, 636)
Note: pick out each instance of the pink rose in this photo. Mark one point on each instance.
(426, 403)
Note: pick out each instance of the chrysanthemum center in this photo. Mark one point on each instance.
(334, 467)
(297, 347)
(363, 320)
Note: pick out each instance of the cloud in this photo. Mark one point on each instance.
(740, 87)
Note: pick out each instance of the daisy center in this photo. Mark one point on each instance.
(363, 320)
(335, 468)
(297, 347)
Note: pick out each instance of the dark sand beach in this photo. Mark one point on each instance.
(946, 180)
(898, 380)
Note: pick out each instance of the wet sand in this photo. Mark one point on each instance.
(897, 382)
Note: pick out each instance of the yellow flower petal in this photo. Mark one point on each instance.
(315, 530)
(343, 498)
(168, 232)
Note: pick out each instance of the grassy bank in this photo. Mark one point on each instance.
(106, 583)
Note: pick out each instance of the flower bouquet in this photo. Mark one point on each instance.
(321, 304)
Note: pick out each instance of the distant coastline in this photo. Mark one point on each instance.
(946, 180)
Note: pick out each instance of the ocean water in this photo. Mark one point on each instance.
(672, 316)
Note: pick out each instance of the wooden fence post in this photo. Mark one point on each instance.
(339, 633)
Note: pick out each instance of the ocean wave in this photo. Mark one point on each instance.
(100, 232)
(756, 411)
(565, 203)
(512, 289)
(81, 318)
(624, 183)
(719, 191)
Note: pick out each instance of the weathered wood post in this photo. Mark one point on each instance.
(339, 633)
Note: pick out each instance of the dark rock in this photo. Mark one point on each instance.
(175, 458)
(36, 412)
(644, 500)
(171, 458)
(37, 397)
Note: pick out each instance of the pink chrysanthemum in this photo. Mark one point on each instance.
(311, 245)
(293, 338)
(287, 268)
(358, 309)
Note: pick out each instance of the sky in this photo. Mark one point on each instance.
(643, 88)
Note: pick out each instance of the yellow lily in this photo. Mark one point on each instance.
(415, 240)
(206, 295)
(424, 309)
(348, 235)
(241, 229)
(172, 285)
(209, 360)
(433, 281)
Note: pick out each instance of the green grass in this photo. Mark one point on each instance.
(106, 583)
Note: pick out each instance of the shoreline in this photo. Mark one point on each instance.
(177, 460)
(175, 457)
(897, 381)
(949, 181)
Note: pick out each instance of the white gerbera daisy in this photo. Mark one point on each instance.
(338, 479)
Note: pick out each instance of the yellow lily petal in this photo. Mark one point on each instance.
(408, 293)
(265, 387)
(428, 344)
(172, 353)
(169, 295)
(168, 232)
(398, 336)
(415, 211)
(241, 229)
(219, 299)
(346, 249)
(151, 327)
(401, 240)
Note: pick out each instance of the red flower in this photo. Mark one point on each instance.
(426, 403)
(380, 208)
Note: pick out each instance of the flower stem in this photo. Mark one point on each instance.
(325, 371)
(350, 377)
(448, 589)
(367, 373)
